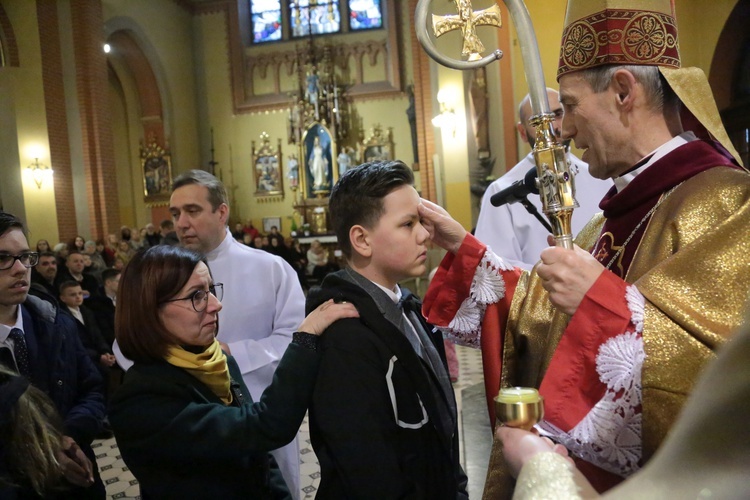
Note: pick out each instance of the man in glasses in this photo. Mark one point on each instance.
(42, 344)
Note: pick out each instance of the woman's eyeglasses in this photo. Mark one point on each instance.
(199, 298)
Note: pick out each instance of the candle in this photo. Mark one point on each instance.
(518, 395)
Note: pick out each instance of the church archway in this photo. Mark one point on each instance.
(139, 120)
(730, 77)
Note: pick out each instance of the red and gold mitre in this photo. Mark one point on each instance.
(599, 32)
(640, 32)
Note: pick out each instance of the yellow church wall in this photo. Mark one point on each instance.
(29, 118)
(700, 23)
(164, 31)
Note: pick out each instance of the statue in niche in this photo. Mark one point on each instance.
(293, 168)
(344, 161)
(318, 166)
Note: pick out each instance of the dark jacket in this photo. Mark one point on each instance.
(380, 426)
(43, 284)
(89, 333)
(181, 441)
(88, 282)
(62, 369)
(104, 312)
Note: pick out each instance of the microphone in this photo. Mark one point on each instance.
(516, 191)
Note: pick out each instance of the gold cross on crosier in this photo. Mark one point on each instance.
(468, 20)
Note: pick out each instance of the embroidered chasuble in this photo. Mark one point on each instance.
(614, 375)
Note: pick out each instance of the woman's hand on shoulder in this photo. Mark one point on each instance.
(326, 314)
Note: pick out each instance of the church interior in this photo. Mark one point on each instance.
(104, 102)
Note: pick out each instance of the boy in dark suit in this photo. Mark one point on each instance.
(383, 416)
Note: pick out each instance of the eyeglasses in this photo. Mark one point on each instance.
(199, 298)
(28, 259)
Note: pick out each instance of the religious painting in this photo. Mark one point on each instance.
(318, 147)
(269, 222)
(378, 146)
(156, 164)
(267, 166)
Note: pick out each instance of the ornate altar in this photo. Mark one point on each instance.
(156, 165)
(320, 122)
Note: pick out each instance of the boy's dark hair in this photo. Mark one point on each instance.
(10, 221)
(109, 274)
(68, 284)
(357, 198)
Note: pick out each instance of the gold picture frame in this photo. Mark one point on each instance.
(267, 168)
(156, 167)
(378, 146)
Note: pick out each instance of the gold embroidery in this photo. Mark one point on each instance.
(580, 45)
(645, 38)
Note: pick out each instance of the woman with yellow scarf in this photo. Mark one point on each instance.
(183, 418)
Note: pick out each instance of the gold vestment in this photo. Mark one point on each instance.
(692, 266)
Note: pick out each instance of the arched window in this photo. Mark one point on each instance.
(276, 20)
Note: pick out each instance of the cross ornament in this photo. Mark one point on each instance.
(468, 20)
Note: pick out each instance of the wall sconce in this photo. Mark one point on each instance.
(447, 117)
(39, 172)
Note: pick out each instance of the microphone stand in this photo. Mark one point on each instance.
(533, 211)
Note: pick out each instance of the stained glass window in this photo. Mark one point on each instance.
(266, 19)
(365, 14)
(315, 17)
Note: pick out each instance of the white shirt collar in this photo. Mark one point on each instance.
(76, 313)
(5, 329)
(223, 246)
(675, 142)
(394, 295)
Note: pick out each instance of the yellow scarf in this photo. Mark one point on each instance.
(209, 366)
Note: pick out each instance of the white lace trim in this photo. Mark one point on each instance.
(636, 305)
(487, 287)
(609, 436)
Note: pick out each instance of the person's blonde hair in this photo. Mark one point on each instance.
(30, 430)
